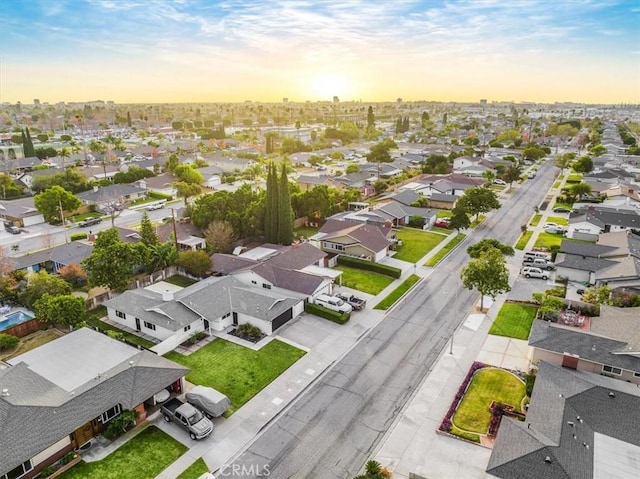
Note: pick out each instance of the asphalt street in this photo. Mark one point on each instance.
(331, 430)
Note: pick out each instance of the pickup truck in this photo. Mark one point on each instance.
(188, 417)
(356, 303)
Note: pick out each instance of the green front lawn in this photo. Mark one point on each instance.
(535, 220)
(574, 178)
(366, 281)
(93, 319)
(445, 250)
(443, 214)
(305, 231)
(238, 372)
(195, 470)
(397, 293)
(547, 240)
(559, 220)
(556, 184)
(488, 384)
(514, 321)
(416, 244)
(144, 456)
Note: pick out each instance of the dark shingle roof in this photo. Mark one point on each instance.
(583, 263)
(65, 254)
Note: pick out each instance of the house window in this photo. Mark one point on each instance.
(149, 325)
(266, 286)
(109, 414)
(611, 370)
(254, 282)
(19, 471)
(333, 246)
(120, 314)
(226, 315)
(187, 328)
(636, 375)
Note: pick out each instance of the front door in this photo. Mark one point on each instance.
(82, 435)
(137, 324)
(235, 319)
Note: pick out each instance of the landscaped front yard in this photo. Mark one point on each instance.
(366, 281)
(547, 240)
(488, 384)
(144, 456)
(416, 244)
(514, 321)
(445, 250)
(238, 372)
(397, 293)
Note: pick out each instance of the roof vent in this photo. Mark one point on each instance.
(131, 363)
(593, 347)
(5, 393)
(547, 459)
(570, 423)
(612, 394)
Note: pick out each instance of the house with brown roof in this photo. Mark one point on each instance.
(188, 236)
(354, 238)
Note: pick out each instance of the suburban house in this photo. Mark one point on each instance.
(52, 259)
(453, 184)
(308, 182)
(580, 261)
(383, 170)
(611, 346)
(297, 270)
(21, 212)
(593, 221)
(103, 197)
(354, 237)
(579, 425)
(162, 183)
(188, 237)
(362, 181)
(173, 315)
(19, 165)
(57, 397)
(212, 176)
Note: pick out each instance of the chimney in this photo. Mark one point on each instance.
(167, 296)
(5, 393)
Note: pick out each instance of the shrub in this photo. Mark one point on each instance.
(161, 196)
(7, 341)
(529, 381)
(78, 236)
(370, 266)
(197, 337)
(119, 424)
(248, 331)
(327, 313)
(47, 471)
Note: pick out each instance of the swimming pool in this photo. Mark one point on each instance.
(17, 317)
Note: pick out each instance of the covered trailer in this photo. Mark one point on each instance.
(213, 403)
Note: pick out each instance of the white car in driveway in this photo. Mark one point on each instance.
(499, 182)
(157, 206)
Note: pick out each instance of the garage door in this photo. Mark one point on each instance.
(280, 320)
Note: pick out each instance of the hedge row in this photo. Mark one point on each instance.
(161, 196)
(327, 313)
(78, 236)
(370, 266)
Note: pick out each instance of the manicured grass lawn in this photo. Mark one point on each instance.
(435, 229)
(181, 281)
(575, 178)
(144, 456)
(397, 293)
(556, 184)
(547, 240)
(238, 372)
(514, 321)
(93, 319)
(445, 250)
(469, 436)
(362, 280)
(195, 470)
(563, 205)
(415, 244)
(559, 220)
(488, 384)
(535, 220)
(443, 214)
(524, 239)
(305, 231)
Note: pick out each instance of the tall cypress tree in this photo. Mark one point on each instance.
(285, 212)
(271, 206)
(24, 145)
(31, 149)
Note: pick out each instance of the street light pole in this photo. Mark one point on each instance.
(66, 240)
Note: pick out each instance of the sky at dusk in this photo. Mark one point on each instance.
(143, 51)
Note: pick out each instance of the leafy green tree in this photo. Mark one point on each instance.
(196, 263)
(187, 190)
(50, 201)
(563, 161)
(147, 232)
(512, 174)
(112, 261)
(598, 150)
(64, 309)
(172, 162)
(489, 175)
(479, 200)
(379, 153)
(41, 283)
(7, 341)
(162, 255)
(533, 152)
(579, 190)
(285, 212)
(584, 164)
(188, 174)
(488, 274)
(598, 295)
(459, 219)
(352, 168)
(8, 187)
(481, 246)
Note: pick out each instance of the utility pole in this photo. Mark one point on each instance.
(175, 232)
(66, 240)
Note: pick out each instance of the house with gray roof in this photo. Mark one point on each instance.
(604, 349)
(57, 397)
(103, 196)
(21, 212)
(53, 259)
(579, 425)
(213, 304)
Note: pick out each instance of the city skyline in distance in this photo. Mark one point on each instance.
(134, 51)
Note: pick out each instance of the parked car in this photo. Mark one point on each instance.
(498, 181)
(331, 302)
(356, 303)
(531, 176)
(555, 230)
(442, 223)
(561, 209)
(531, 272)
(211, 402)
(90, 222)
(14, 230)
(188, 417)
(541, 263)
(529, 256)
(157, 206)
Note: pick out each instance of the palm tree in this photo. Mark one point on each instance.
(489, 175)
(374, 470)
(64, 153)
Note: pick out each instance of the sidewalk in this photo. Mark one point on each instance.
(325, 343)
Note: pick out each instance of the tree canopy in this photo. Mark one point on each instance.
(478, 200)
(49, 202)
(481, 246)
(488, 274)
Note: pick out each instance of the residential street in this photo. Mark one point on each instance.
(332, 429)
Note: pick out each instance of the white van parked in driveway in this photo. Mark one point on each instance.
(331, 302)
(531, 272)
